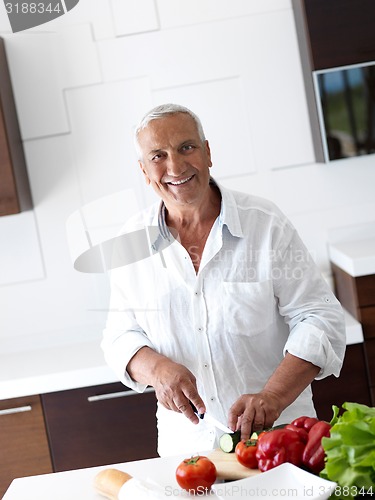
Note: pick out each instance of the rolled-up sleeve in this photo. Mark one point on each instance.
(118, 351)
(314, 315)
(122, 336)
(308, 342)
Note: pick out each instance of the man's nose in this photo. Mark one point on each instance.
(176, 165)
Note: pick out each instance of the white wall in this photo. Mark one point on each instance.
(81, 83)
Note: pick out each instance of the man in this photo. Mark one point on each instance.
(230, 312)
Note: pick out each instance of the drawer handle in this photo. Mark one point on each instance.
(20, 409)
(121, 394)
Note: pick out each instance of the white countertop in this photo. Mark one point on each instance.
(285, 481)
(76, 364)
(356, 257)
(78, 484)
(54, 368)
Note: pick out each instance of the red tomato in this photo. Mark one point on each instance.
(245, 453)
(196, 474)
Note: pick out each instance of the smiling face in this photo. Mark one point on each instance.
(175, 161)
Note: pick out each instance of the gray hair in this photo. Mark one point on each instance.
(162, 111)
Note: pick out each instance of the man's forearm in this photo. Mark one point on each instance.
(257, 411)
(290, 378)
(174, 384)
(143, 365)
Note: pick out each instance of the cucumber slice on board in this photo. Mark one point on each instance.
(228, 442)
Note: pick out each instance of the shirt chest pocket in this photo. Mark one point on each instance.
(249, 307)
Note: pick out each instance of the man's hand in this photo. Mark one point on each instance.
(254, 412)
(174, 384)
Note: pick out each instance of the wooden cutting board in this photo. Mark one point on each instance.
(228, 467)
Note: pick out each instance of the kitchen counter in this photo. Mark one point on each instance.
(286, 480)
(356, 257)
(53, 368)
(45, 369)
(78, 484)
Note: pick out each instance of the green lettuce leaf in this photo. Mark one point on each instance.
(350, 449)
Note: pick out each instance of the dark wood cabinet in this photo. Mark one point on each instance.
(15, 194)
(352, 384)
(340, 32)
(357, 295)
(74, 429)
(24, 449)
(100, 425)
(370, 352)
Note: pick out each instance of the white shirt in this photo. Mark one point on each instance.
(257, 294)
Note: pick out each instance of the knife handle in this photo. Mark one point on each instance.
(199, 415)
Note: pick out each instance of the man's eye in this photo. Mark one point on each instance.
(156, 157)
(187, 147)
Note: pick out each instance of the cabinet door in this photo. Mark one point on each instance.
(15, 194)
(100, 425)
(367, 315)
(370, 356)
(340, 31)
(351, 385)
(24, 447)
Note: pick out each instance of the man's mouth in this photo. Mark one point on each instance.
(182, 181)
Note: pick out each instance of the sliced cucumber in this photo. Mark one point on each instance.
(228, 442)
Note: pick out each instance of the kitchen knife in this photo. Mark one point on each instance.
(211, 420)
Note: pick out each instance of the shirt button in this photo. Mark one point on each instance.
(200, 329)
(196, 293)
(212, 398)
(206, 365)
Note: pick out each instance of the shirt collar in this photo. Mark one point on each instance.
(163, 237)
(228, 216)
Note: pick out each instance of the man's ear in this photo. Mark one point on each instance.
(208, 152)
(144, 172)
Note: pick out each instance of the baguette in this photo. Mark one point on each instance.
(108, 482)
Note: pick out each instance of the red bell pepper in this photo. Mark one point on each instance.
(313, 455)
(303, 434)
(279, 446)
(304, 422)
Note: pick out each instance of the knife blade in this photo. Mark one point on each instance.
(211, 420)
